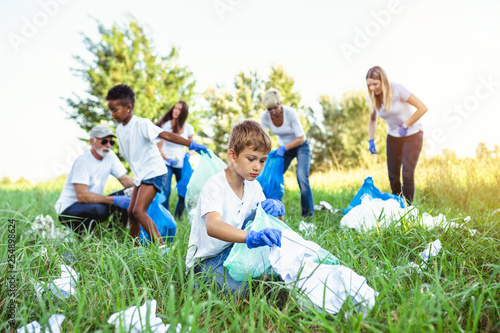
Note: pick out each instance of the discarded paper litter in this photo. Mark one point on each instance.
(54, 324)
(63, 287)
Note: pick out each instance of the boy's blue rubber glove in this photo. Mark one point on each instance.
(402, 131)
(197, 147)
(273, 207)
(171, 162)
(371, 146)
(281, 151)
(121, 201)
(264, 237)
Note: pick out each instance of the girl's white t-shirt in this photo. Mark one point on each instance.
(400, 112)
(218, 196)
(137, 142)
(291, 128)
(173, 150)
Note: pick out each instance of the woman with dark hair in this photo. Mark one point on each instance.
(393, 103)
(175, 121)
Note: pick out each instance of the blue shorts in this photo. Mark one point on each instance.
(158, 182)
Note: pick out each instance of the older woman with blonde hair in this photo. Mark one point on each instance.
(393, 103)
(284, 122)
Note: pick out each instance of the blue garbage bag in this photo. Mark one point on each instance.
(271, 179)
(163, 219)
(368, 188)
(186, 172)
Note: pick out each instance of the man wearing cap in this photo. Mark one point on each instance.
(81, 199)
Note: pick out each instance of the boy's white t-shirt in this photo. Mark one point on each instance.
(400, 112)
(176, 151)
(137, 142)
(218, 196)
(291, 128)
(88, 170)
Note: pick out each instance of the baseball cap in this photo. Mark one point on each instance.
(101, 131)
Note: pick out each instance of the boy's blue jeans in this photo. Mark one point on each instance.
(213, 268)
(303, 155)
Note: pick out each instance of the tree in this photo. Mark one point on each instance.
(244, 101)
(339, 135)
(124, 54)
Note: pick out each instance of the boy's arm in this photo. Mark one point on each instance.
(175, 138)
(219, 229)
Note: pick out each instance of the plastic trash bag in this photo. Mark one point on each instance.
(208, 166)
(242, 261)
(369, 189)
(271, 179)
(186, 172)
(163, 219)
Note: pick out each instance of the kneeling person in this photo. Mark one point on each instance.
(227, 202)
(81, 199)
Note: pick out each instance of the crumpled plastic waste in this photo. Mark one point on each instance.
(376, 212)
(45, 226)
(325, 285)
(307, 229)
(128, 191)
(323, 205)
(63, 287)
(432, 250)
(140, 319)
(54, 324)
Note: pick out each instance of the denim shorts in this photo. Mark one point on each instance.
(158, 182)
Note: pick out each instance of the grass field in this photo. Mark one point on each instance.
(460, 291)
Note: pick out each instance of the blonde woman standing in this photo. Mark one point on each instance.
(392, 102)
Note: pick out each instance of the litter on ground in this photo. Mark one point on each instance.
(63, 287)
(54, 324)
(140, 319)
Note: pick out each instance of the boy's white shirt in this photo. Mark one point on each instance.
(218, 196)
(137, 142)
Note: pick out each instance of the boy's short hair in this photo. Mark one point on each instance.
(271, 99)
(249, 134)
(123, 93)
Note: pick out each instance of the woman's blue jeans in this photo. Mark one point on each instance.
(303, 155)
(179, 208)
(213, 268)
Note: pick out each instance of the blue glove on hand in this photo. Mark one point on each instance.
(121, 201)
(273, 207)
(264, 237)
(402, 130)
(171, 162)
(281, 151)
(197, 147)
(371, 146)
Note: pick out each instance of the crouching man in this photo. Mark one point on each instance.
(81, 200)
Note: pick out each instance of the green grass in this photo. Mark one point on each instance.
(459, 291)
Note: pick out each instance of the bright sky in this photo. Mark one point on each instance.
(445, 52)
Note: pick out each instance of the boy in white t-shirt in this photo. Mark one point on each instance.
(225, 205)
(136, 137)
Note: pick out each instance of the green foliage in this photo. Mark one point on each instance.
(459, 290)
(124, 54)
(244, 101)
(339, 134)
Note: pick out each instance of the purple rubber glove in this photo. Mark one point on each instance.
(198, 147)
(273, 207)
(121, 201)
(171, 162)
(281, 151)
(264, 237)
(402, 131)
(371, 146)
